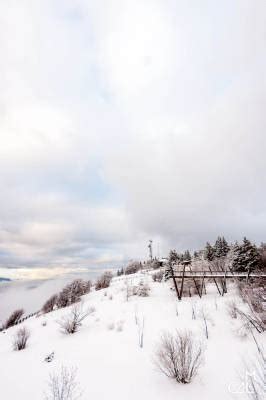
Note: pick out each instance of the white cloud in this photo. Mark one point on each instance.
(122, 121)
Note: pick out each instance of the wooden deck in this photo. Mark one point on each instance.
(216, 274)
(199, 278)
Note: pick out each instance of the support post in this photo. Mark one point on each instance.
(224, 283)
(182, 283)
(172, 273)
(194, 280)
(203, 277)
(215, 282)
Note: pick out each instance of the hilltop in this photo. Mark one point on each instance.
(107, 353)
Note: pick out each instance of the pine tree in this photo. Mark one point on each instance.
(221, 247)
(246, 256)
(173, 256)
(196, 254)
(218, 247)
(187, 256)
(209, 252)
(225, 247)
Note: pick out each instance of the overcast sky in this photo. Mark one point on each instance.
(128, 120)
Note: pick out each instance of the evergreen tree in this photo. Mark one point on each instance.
(218, 247)
(221, 247)
(246, 256)
(187, 256)
(209, 252)
(225, 246)
(173, 256)
(196, 254)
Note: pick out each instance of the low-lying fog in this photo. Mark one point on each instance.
(31, 294)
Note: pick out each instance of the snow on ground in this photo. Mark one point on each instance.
(110, 364)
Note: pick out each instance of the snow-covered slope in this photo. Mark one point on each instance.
(110, 363)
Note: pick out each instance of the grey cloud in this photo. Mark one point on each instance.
(164, 100)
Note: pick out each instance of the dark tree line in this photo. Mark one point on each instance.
(244, 256)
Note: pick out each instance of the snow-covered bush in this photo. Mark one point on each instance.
(251, 320)
(104, 281)
(232, 309)
(63, 298)
(50, 304)
(132, 268)
(72, 292)
(158, 276)
(14, 318)
(155, 264)
(21, 338)
(119, 326)
(143, 289)
(253, 293)
(63, 386)
(111, 326)
(178, 356)
(71, 322)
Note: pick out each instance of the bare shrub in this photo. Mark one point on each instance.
(63, 298)
(205, 319)
(178, 356)
(158, 276)
(232, 309)
(71, 323)
(193, 309)
(50, 304)
(132, 268)
(141, 324)
(253, 293)
(111, 326)
(104, 281)
(242, 331)
(131, 290)
(143, 289)
(176, 309)
(255, 375)
(251, 320)
(72, 292)
(21, 338)
(14, 318)
(63, 386)
(119, 326)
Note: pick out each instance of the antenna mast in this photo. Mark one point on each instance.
(150, 250)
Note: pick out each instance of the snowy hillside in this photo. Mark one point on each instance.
(106, 350)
